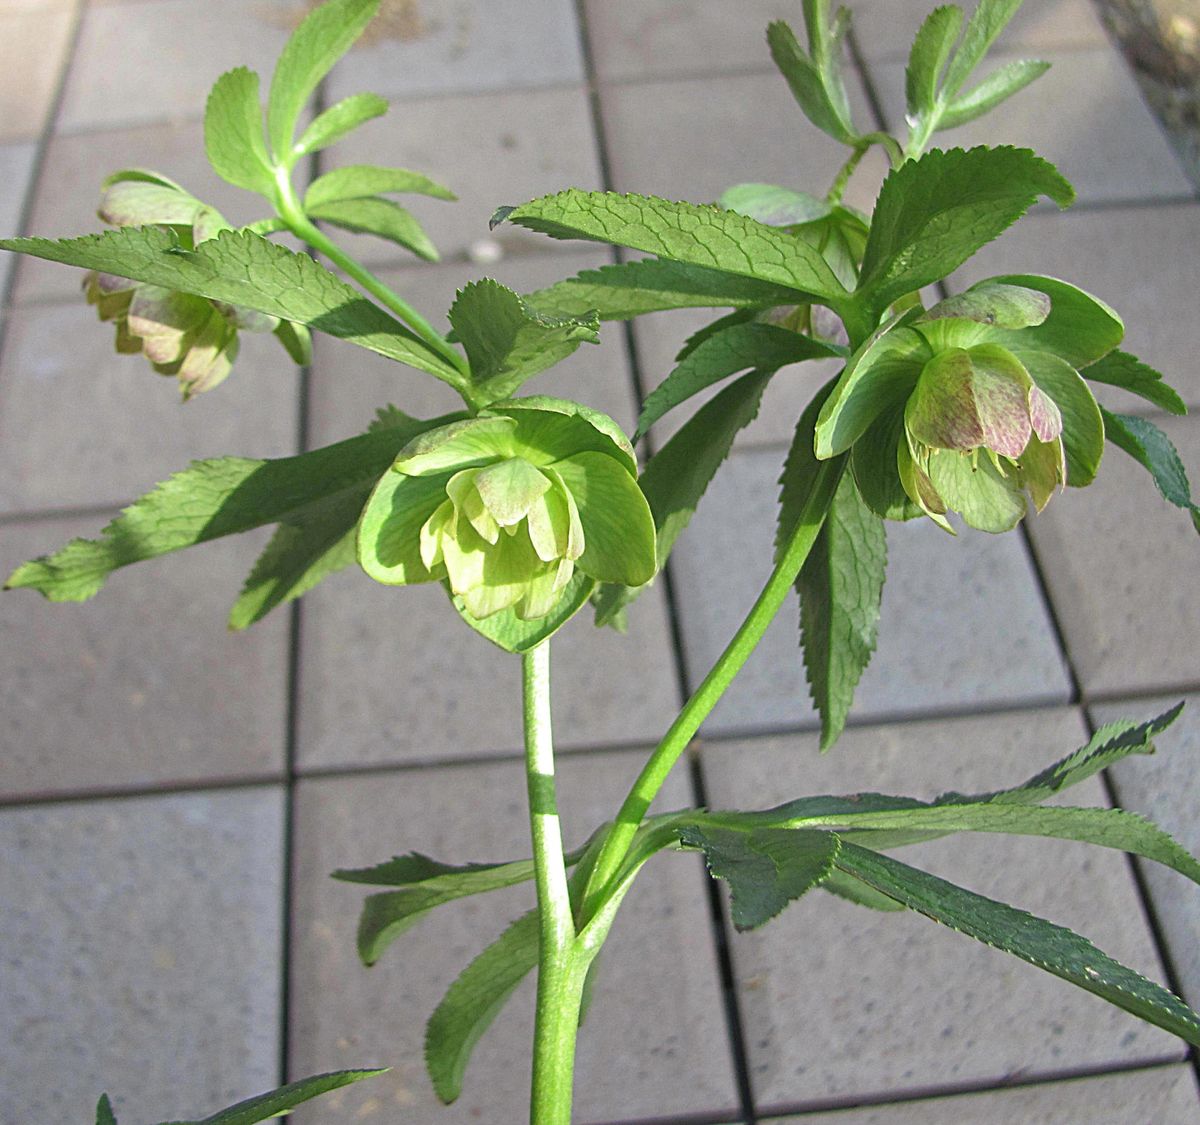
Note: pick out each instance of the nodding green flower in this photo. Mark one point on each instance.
(181, 334)
(506, 507)
(976, 405)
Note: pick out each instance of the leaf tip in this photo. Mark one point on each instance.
(499, 216)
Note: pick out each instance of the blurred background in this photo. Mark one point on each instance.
(173, 797)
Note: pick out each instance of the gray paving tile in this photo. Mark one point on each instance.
(654, 1042)
(693, 138)
(1102, 136)
(173, 52)
(82, 425)
(141, 945)
(68, 190)
(34, 40)
(461, 46)
(142, 685)
(1164, 1095)
(491, 149)
(963, 623)
(840, 1002)
(1141, 260)
(1166, 788)
(16, 165)
(1120, 565)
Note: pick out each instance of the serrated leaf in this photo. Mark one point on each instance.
(927, 59)
(473, 1002)
(987, 21)
(738, 316)
(279, 1103)
(323, 37)
(817, 88)
(697, 235)
(211, 499)
(860, 893)
(841, 588)
(104, 1112)
(776, 206)
(380, 217)
(1152, 449)
(507, 342)
(934, 212)
(997, 87)
(233, 133)
(1048, 946)
(766, 868)
(245, 269)
(416, 869)
(629, 289)
(360, 181)
(1120, 369)
(766, 347)
(339, 119)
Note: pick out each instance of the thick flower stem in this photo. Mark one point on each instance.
(791, 558)
(562, 966)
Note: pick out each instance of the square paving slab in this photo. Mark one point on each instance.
(35, 38)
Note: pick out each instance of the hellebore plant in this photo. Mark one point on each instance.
(528, 508)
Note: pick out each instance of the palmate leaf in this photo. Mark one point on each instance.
(630, 289)
(244, 269)
(694, 234)
(1120, 369)
(934, 212)
(1152, 449)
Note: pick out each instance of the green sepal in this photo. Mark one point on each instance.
(996, 304)
(361, 181)
(342, 117)
(233, 133)
(508, 631)
(1152, 449)
(555, 428)
(1120, 369)
(1083, 425)
(388, 539)
(379, 217)
(987, 499)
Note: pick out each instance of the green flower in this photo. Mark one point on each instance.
(181, 334)
(509, 507)
(975, 406)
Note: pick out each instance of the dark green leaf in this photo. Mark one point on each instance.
(221, 497)
(380, 217)
(697, 235)
(775, 206)
(360, 181)
(649, 285)
(416, 869)
(339, 119)
(873, 462)
(997, 87)
(233, 133)
(1152, 449)
(104, 1112)
(987, 21)
(762, 346)
(927, 59)
(840, 588)
(858, 892)
(800, 468)
(244, 269)
(934, 212)
(507, 341)
(738, 316)
(766, 868)
(322, 38)
(474, 1000)
(1044, 944)
(817, 89)
(1120, 369)
(278, 1103)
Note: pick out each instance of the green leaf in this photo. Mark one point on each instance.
(1083, 424)
(997, 87)
(856, 891)
(233, 133)
(817, 88)
(987, 21)
(508, 342)
(927, 59)
(649, 285)
(766, 868)
(104, 1112)
(473, 1002)
(1152, 449)
(1120, 369)
(247, 270)
(677, 476)
(741, 346)
(211, 499)
(296, 341)
(697, 235)
(934, 212)
(513, 634)
(339, 119)
(322, 38)
(380, 217)
(841, 588)
(1044, 944)
(773, 205)
(360, 181)
(874, 465)
(279, 1103)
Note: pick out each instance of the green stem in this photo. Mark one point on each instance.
(838, 187)
(291, 211)
(606, 873)
(562, 968)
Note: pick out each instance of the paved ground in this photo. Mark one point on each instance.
(174, 797)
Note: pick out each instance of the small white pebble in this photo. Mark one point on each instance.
(485, 252)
